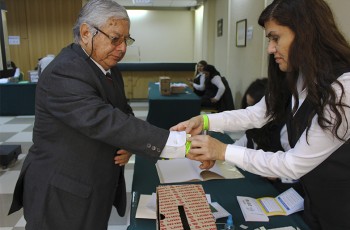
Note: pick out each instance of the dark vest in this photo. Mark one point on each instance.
(210, 88)
(327, 187)
(267, 138)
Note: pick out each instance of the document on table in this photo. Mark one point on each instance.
(184, 170)
(145, 209)
(286, 203)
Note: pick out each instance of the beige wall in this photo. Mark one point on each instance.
(240, 65)
(340, 10)
(161, 36)
(198, 34)
(244, 64)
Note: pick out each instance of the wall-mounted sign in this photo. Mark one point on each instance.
(14, 40)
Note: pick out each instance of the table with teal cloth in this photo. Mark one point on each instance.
(145, 181)
(17, 99)
(167, 111)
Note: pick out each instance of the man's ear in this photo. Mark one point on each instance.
(85, 33)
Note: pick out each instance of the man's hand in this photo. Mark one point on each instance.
(122, 158)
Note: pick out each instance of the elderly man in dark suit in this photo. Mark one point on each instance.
(84, 130)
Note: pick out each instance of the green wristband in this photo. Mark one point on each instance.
(188, 146)
(205, 122)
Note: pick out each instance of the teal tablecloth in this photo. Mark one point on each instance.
(145, 181)
(167, 111)
(17, 99)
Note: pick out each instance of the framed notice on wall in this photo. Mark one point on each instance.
(241, 33)
(219, 27)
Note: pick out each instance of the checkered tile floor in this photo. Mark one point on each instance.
(17, 130)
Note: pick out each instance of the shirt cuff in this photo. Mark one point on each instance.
(175, 146)
(235, 155)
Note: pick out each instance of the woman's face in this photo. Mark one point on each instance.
(250, 100)
(280, 40)
(200, 67)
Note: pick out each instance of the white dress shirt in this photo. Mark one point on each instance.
(201, 85)
(294, 162)
(221, 87)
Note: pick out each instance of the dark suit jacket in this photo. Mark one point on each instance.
(69, 179)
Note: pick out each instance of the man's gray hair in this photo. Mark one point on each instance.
(96, 13)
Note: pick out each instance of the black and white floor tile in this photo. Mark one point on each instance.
(17, 130)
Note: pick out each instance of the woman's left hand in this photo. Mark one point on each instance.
(213, 100)
(206, 148)
(207, 165)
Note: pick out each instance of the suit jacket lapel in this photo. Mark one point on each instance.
(107, 92)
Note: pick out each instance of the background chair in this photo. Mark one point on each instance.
(226, 101)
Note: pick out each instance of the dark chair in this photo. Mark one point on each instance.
(226, 101)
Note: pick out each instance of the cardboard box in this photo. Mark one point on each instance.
(164, 85)
(183, 207)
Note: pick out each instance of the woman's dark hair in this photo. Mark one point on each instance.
(256, 90)
(211, 70)
(319, 52)
(203, 63)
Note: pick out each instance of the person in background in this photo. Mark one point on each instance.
(268, 137)
(85, 131)
(198, 81)
(309, 85)
(44, 62)
(214, 87)
(254, 93)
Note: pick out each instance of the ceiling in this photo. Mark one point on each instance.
(153, 4)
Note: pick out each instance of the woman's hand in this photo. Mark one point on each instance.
(206, 148)
(207, 165)
(122, 158)
(213, 100)
(192, 126)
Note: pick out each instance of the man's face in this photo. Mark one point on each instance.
(104, 52)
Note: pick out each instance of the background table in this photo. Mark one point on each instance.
(17, 99)
(145, 181)
(167, 111)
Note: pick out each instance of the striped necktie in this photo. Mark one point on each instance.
(109, 77)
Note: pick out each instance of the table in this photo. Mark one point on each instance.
(145, 181)
(167, 111)
(17, 99)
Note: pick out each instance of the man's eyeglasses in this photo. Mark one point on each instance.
(116, 41)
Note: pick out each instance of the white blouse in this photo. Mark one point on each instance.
(201, 85)
(294, 162)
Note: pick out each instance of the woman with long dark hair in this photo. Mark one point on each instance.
(309, 84)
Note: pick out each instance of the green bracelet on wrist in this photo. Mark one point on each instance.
(205, 122)
(188, 146)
